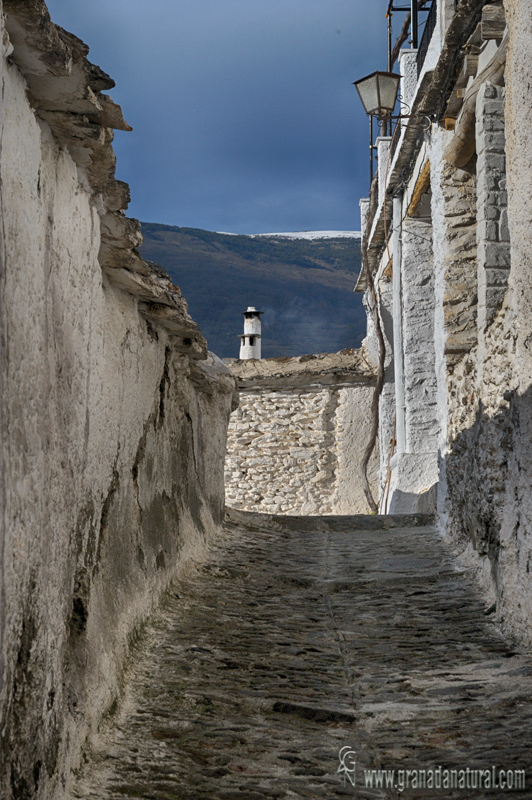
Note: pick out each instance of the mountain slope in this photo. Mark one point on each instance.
(304, 286)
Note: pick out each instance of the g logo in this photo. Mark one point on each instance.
(348, 764)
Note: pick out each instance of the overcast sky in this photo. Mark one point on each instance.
(244, 118)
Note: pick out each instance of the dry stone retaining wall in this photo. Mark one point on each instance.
(297, 449)
(279, 454)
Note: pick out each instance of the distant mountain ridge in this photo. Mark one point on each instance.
(304, 285)
(310, 235)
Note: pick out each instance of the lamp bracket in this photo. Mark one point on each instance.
(425, 122)
(406, 113)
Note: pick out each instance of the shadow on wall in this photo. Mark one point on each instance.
(476, 469)
(487, 509)
(477, 474)
(479, 478)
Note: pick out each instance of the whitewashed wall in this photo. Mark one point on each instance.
(113, 435)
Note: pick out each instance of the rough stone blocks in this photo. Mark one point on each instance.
(493, 237)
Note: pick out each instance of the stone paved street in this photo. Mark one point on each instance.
(299, 637)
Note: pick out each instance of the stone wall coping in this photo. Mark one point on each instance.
(347, 367)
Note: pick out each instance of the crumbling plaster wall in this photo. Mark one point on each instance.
(351, 429)
(113, 421)
(294, 444)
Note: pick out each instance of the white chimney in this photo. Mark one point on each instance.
(250, 339)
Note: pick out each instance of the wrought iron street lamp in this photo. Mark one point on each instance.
(378, 93)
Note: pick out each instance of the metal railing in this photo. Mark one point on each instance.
(430, 24)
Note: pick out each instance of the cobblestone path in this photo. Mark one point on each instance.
(303, 636)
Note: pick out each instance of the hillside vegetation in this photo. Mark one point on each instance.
(305, 288)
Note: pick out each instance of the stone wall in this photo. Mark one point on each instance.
(480, 100)
(481, 433)
(493, 234)
(516, 535)
(479, 426)
(482, 503)
(460, 260)
(113, 416)
(295, 443)
(485, 497)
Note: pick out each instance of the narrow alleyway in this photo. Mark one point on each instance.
(302, 637)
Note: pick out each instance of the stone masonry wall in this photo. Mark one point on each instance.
(297, 449)
(460, 299)
(460, 337)
(515, 562)
(455, 234)
(481, 219)
(113, 416)
(490, 455)
(493, 235)
(479, 423)
(280, 455)
(485, 505)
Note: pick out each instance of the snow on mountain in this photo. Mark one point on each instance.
(310, 235)
(313, 235)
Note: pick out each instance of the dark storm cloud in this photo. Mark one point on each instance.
(243, 111)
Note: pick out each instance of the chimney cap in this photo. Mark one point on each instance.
(252, 311)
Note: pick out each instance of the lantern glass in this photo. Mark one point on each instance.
(378, 92)
(368, 90)
(388, 87)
